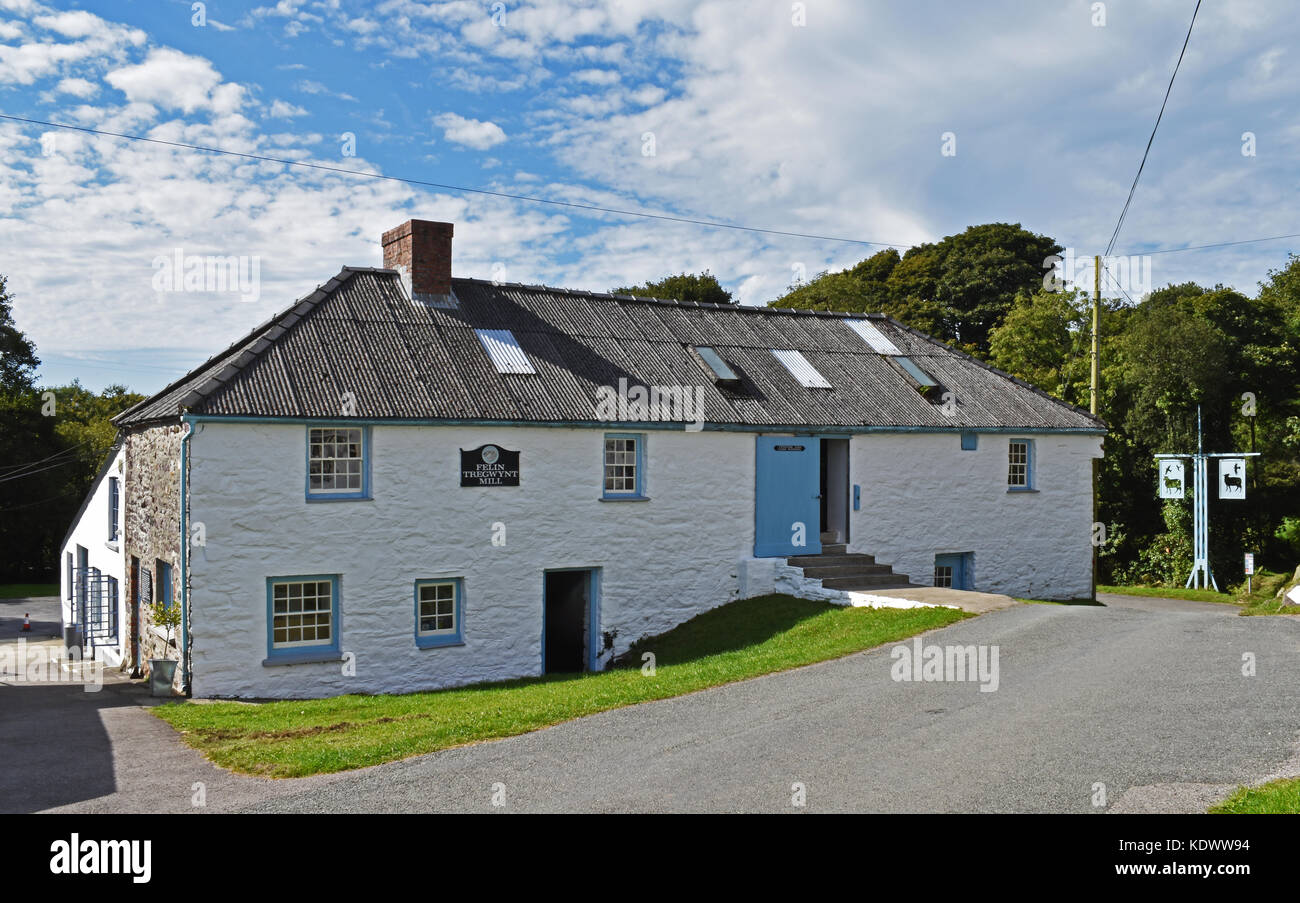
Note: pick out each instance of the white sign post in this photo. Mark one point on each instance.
(1250, 569)
(1232, 485)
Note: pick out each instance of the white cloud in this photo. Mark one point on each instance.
(176, 81)
(281, 109)
(474, 133)
(78, 87)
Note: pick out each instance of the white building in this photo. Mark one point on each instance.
(408, 481)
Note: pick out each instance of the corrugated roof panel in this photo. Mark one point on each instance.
(504, 350)
(873, 336)
(800, 369)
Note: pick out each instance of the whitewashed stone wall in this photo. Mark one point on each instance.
(661, 561)
(91, 532)
(923, 495)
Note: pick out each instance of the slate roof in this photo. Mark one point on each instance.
(361, 334)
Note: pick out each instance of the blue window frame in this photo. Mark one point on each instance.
(338, 463)
(302, 618)
(163, 575)
(114, 506)
(623, 466)
(955, 570)
(970, 441)
(1020, 465)
(439, 609)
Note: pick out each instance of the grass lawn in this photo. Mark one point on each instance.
(27, 590)
(737, 641)
(1170, 592)
(1274, 798)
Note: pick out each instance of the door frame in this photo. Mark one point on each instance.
(593, 614)
(848, 478)
(812, 527)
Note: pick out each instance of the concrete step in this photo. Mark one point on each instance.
(813, 561)
(834, 548)
(852, 570)
(866, 581)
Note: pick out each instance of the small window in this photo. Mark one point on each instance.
(437, 613)
(502, 346)
(624, 466)
(873, 337)
(943, 575)
(801, 370)
(720, 369)
(336, 463)
(303, 614)
(1020, 464)
(114, 506)
(926, 380)
(163, 591)
(970, 441)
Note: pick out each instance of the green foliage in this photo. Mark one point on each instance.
(18, 361)
(1289, 532)
(166, 616)
(701, 287)
(958, 289)
(1040, 337)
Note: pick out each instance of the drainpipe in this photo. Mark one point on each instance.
(187, 431)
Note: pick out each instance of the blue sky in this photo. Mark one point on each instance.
(833, 127)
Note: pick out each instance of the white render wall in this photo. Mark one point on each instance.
(661, 561)
(91, 531)
(923, 495)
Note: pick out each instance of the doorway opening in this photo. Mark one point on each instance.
(569, 622)
(835, 490)
(134, 590)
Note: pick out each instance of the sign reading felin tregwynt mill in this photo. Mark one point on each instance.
(489, 465)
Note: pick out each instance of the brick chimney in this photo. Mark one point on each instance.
(421, 251)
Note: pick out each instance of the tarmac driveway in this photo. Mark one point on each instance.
(1144, 696)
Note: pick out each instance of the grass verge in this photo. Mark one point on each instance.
(1274, 798)
(1170, 592)
(737, 641)
(27, 590)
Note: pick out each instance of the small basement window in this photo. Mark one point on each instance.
(718, 368)
(801, 370)
(873, 337)
(502, 346)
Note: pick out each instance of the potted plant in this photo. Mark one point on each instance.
(162, 671)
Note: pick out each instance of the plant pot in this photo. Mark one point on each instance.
(162, 671)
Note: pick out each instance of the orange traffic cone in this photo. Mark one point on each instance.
(27, 622)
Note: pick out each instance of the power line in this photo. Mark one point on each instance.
(32, 473)
(594, 208)
(11, 468)
(1123, 213)
(1223, 244)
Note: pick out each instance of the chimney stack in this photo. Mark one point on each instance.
(421, 251)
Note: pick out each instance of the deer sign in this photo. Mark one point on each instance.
(1232, 483)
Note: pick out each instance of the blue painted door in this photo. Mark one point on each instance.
(954, 570)
(787, 506)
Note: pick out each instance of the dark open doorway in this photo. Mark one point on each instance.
(835, 490)
(567, 627)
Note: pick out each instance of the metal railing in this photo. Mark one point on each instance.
(94, 603)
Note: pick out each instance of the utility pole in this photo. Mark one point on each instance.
(1092, 398)
(1096, 334)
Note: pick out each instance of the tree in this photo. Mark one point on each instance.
(957, 289)
(1040, 336)
(702, 287)
(18, 361)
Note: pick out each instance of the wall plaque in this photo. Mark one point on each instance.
(489, 465)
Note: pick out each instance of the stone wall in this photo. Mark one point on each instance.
(152, 515)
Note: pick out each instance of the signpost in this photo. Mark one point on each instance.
(1250, 569)
(1232, 485)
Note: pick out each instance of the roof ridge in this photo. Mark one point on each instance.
(313, 297)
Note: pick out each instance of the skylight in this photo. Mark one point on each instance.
(503, 348)
(801, 370)
(926, 380)
(722, 371)
(873, 337)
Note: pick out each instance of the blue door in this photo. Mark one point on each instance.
(787, 498)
